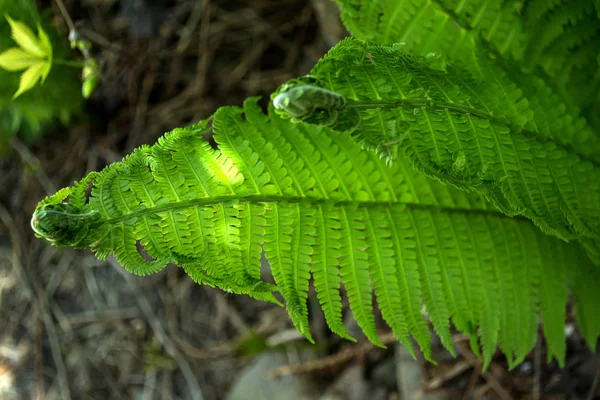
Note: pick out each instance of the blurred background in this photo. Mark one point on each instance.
(73, 327)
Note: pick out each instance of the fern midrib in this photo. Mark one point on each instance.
(490, 309)
(261, 199)
(515, 313)
(296, 251)
(467, 111)
(328, 305)
(464, 276)
(439, 311)
(426, 103)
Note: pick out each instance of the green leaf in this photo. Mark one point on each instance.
(27, 40)
(476, 135)
(35, 55)
(30, 77)
(47, 47)
(321, 206)
(556, 41)
(44, 43)
(16, 59)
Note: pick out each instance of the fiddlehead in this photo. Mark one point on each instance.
(65, 220)
(306, 100)
(302, 101)
(64, 224)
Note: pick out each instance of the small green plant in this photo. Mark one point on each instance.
(467, 183)
(34, 55)
(38, 81)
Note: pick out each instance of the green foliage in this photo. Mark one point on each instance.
(57, 98)
(478, 136)
(476, 141)
(33, 55)
(556, 39)
(321, 206)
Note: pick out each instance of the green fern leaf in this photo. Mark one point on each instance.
(478, 136)
(551, 38)
(319, 205)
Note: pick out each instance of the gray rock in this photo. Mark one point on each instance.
(254, 382)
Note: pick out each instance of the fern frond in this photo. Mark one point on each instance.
(478, 136)
(546, 37)
(319, 205)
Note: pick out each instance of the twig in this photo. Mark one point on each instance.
(330, 362)
(248, 59)
(195, 15)
(161, 335)
(66, 16)
(110, 380)
(481, 390)
(457, 369)
(101, 41)
(225, 311)
(472, 381)
(493, 382)
(93, 316)
(55, 350)
(39, 359)
(92, 286)
(30, 159)
(592, 393)
(214, 351)
(166, 385)
(58, 273)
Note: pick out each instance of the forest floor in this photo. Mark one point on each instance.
(75, 327)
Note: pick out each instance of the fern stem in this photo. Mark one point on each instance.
(292, 200)
(424, 103)
(465, 110)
